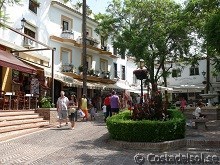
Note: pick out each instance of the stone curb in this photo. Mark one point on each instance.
(164, 146)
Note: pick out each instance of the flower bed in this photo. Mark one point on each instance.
(122, 127)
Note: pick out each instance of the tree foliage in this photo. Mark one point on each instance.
(155, 32)
(203, 21)
(3, 16)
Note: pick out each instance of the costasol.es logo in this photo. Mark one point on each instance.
(180, 158)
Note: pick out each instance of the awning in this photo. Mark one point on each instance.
(9, 60)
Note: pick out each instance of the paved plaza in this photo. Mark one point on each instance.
(87, 144)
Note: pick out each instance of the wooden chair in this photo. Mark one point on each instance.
(2, 99)
(19, 101)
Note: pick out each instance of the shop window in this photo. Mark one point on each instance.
(33, 5)
(194, 70)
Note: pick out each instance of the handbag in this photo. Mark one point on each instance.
(81, 113)
(71, 110)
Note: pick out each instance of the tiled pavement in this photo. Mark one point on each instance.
(87, 144)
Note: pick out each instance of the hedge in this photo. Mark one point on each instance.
(121, 127)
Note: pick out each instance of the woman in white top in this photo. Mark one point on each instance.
(198, 112)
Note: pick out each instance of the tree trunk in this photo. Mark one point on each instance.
(84, 49)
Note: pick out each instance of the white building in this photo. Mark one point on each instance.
(190, 81)
(59, 26)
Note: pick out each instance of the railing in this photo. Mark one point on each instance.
(68, 68)
(89, 41)
(67, 34)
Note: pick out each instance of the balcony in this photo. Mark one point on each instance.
(92, 44)
(67, 34)
(28, 43)
(90, 41)
(92, 75)
(69, 68)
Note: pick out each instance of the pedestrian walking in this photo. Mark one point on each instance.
(183, 104)
(115, 103)
(62, 105)
(104, 110)
(108, 106)
(72, 112)
(84, 107)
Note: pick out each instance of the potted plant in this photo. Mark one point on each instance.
(80, 68)
(45, 102)
(91, 72)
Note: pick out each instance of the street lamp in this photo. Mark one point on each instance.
(23, 22)
(141, 74)
(142, 95)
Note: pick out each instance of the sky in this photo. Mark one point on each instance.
(100, 5)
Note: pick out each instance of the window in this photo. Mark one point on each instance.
(176, 73)
(66, 23)
(123, 72)
(33, 5)
(218, 78)
(66, 56)
(103, 65)
(89, 61)
(123, 55)
(115, 71)
(134, 79)
(115, 50)
(29, 32)
(89, 31)
(194, 71)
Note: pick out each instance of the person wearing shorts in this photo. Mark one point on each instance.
(62, 104)
(115, 103)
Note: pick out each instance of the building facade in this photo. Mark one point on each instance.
(57, 25)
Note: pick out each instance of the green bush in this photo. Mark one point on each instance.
(121, 127)
(45, 102)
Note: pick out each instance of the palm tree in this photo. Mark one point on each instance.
(84, 49)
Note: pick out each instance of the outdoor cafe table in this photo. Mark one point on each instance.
(29, 99)
(10, 94)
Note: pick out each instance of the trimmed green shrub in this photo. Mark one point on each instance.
(122, 127)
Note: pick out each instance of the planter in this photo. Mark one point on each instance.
(48, 114)
(122, 128)
(141, 73)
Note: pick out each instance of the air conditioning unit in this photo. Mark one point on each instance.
(28, 43)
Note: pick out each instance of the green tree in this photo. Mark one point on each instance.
(3, 16)
(199, 14)
(155, 33)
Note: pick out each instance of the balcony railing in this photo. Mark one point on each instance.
(89, 41)
(69, 68)
(67, 34)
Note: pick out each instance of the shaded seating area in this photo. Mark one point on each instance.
(17, 101)
(4, 101)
